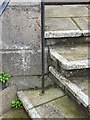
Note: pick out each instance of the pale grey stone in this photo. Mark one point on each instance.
(20, 29)
(83, 23)
(66, 11)
(6, 97)
(71, 57)
(29, 82)
(75, 91)
(22, 62)
(61, 108)
(37, 98)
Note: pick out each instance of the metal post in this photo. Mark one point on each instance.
(42, 44)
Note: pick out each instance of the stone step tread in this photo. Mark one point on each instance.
(50, 94)
(80, 96)
(71, 56)
(66, 27)
(61, 108)
(66, 21)
(56, 108)
(66, 11)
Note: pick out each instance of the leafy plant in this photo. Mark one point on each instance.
(4, 77)
(16, 103)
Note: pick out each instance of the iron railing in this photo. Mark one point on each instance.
(3, 6)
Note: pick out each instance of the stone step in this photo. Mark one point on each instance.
(64, 21)
(53, 104)
(67, 41)
(70, 57)
(71, 89)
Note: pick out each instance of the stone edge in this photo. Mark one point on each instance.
(66, 85)
(28, 105)
(68, 65)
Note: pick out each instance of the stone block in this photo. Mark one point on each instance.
(29, 82)
(6, 97)
(21, 28)
(22, 62)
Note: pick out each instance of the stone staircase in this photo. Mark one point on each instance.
(67, 36)
(67, 40)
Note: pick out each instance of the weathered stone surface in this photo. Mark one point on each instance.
(58, 27)
(83, 83)
(69, 41)
(63, 34)
(27, 82)
(16, 114)
(60, 24)
(66, 11)
(37, 98)
(22, 62)
(71, 56)
(6, 96)
(21, 28)
(34, 114)
(61, 108)
(75, 91)
(25, 101)
(83, 23)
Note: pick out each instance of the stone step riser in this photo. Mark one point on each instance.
(69, 73)
(65, 41)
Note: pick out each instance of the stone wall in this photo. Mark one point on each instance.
(20, 39)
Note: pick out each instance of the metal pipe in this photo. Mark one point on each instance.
(42, 43)
(3, 6)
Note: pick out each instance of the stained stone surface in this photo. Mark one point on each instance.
(60, 24)
(22, 62)
(37, 98)
(71, 57)
(52, 104)
(83, 24)
(27, 82)
(6, 97)
(61, 108)
(74, 52)
(16, 113)
(20, 41)
(66, 11)
(21, 27)
(83, 83)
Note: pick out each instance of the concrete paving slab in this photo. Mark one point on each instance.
(50, 94)
(61, 108)
(83, 24)
(60, 24)
(66, 11)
